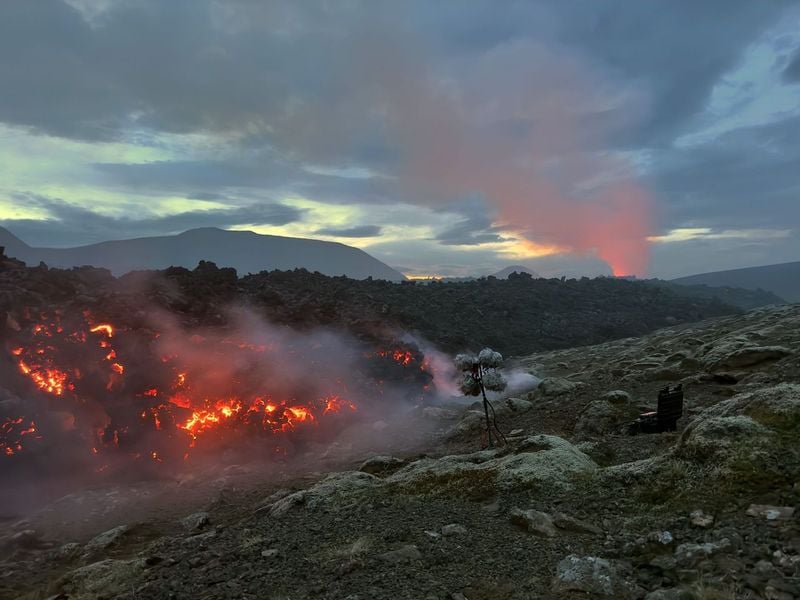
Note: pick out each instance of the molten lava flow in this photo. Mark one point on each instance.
(334, 404)
(182, 396)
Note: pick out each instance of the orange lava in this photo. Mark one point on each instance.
(178, 402)
(104, 328)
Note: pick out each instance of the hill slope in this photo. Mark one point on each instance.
(245, 251)
(504, 273)
(782, 279)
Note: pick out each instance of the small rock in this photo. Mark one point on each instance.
(453, 529)
(200, 539)
(70, 550)
(568, 523)
(27, 539)
(665, 538)
(668, 594)
(617, 397)
(378, 465)
(405, 554)
(771, 513)
(690, 555)
(592, 575)
(533, 521)
(196, 521)
(700, 519)
(551, 387)
(664, 562)
(106, 539)
(270, 553)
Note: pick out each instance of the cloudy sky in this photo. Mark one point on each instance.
(444, 137)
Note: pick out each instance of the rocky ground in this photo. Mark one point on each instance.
(571, 507)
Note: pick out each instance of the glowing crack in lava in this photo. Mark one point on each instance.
(13, 433)
(124, 394)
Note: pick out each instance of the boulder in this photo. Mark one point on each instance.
(553, 387)
(597, 577)
(106, 539)
(474, 419)
(728, 357)
(333, 486)
(106, 578)
(745, 423)
(540, 459)
(611, 413)
(533, 521)
(196, 521)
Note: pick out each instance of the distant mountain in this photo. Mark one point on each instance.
(246, 251)
(782, 280)
(504, 273)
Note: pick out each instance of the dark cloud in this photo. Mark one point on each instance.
(68, 222)
(362, 231)
(792, 71)
(475, 226)
(440, 100)
(742, 179)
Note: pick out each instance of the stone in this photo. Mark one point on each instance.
(107, 539)
(27, 539)
(729, 358)
(269, 553)
(698, 518)
(333, 486)
(512, 405)
(552, 387)
(606, 416)
(408, 553)
(669, 594)
(568, 523)
(597, 577)
(771, 513)
(690, 555)
(454, 529)
(196, 521)
(69, 550)
(533, 521)
(540, 459)
(617, 397)
(107, 578)
(379, 465)
(664, 562)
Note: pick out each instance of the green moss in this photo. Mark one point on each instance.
(472, 484)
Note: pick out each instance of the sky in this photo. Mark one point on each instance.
(444, 137)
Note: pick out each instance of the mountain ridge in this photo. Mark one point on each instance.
(782, 279)
(246, 251)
